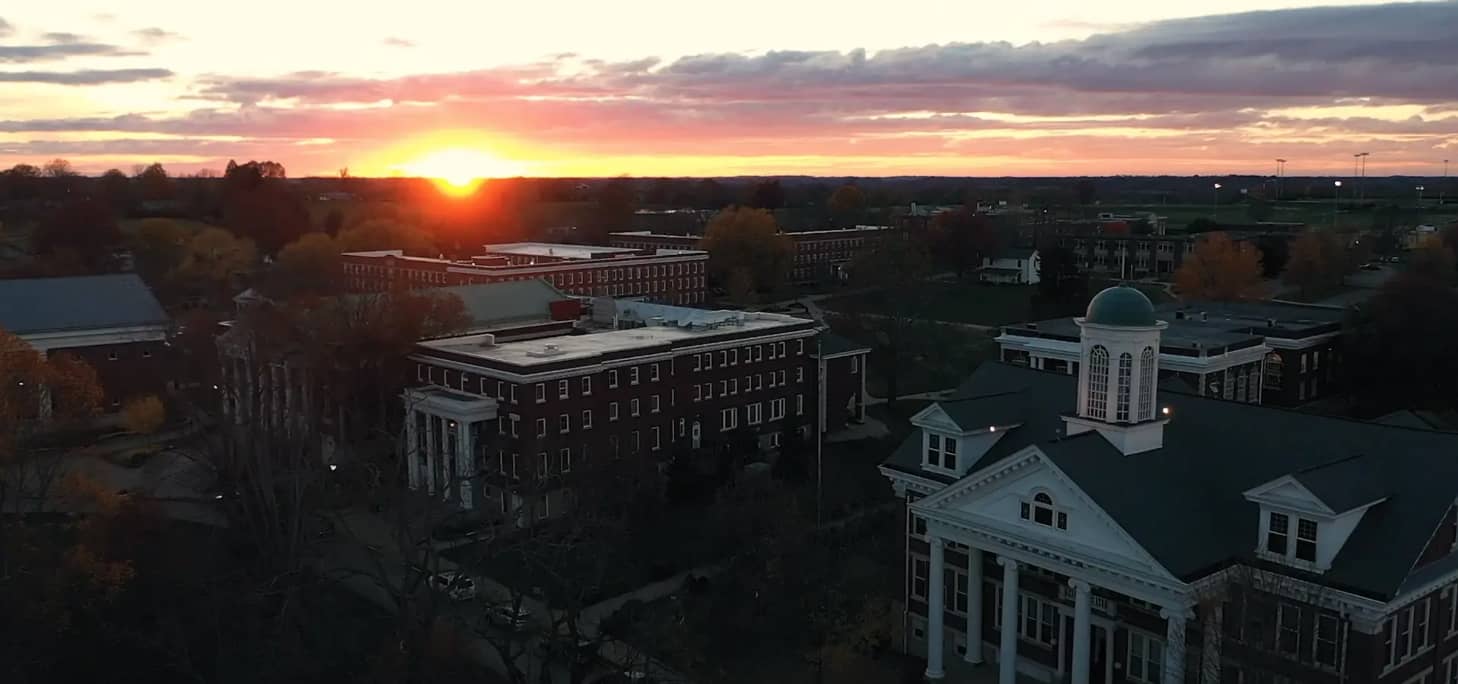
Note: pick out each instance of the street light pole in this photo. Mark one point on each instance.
(1443, 186)
(1335, 195)
(1280, 171)
(1420, 195)
(1215, 213)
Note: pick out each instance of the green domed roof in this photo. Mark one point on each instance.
(1122, 305)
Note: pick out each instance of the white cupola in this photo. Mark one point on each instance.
(1118, 374)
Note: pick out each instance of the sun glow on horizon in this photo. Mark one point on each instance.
(459, 170)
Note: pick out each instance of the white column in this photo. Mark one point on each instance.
(974, 606)
(1007, 655)
(1081, 631)
(1210, 645)
(411, 452)
(862, 404)
(430, 453)
(1174, 645)
(935, 611)
(464, 462)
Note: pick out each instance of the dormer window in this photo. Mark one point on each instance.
(1278, 537)
(1040, 509)
(941, 452)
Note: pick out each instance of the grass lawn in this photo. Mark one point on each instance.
(938, 356)
(954, 302)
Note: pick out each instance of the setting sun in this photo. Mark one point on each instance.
(460, 170)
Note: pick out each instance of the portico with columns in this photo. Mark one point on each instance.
(444, 432)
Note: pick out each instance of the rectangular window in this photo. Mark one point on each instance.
(564, 458)
(1324, 649)
(1306, 540)
(698, 362)
(934, 450)
(954, 586)
(733, 357)
(564, 424)
(698, 392)
(949, 453)
(541, 393)
(513, 394)
(1288, 629)
(734, 385)
(562, 389)
(1277, 533)
(1450, 669)
(653, 373)
(587, 420)
(633, 375)
(728, 419)
(799, 404)
(800, 347)
(586, 385)
(855, 364)
(656, 442)
(653, 404)
(542, 464)
(1146, 658)
(753, 415)
(708, 360)
(1038, 620)
(541, 427)
(920, 571)
(777, 409)
(613, 379)
(612, 411)
(500, 391)
(633, 408)
(799, 374)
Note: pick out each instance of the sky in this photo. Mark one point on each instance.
(655, 88)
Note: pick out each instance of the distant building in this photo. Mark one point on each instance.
(1093, 528)
(675, 276)
(637, 379)
(112, 322)
(820, 255)
(1277, 353)
(1115, 253)
(1014, 266)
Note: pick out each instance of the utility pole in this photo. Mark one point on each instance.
(1443, 186)
(1335, 194)
(1280, 172)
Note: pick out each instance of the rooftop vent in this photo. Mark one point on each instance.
(546, 350)
(488, 340)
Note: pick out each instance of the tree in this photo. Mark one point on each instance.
(1275, 253)
(309, 266)
(1062, 285)
(1432, 261)
(894, 270)
(1220, 270)
(58, 168)
(616, 202)
(158, 247)
(1399, 350)
(83, 234)
(214, 260)
(1315, 265)
(846, 205)
(1086, 191)
(740, 239)
(767, 194)
(259, 205)
(34, 389)
(144, 415)
(154, 184)
(384, 233)
(961, 238)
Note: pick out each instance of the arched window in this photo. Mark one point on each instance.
(1146, 384)
(1040, 509)
(1126, 372)
(1274, 369)
(1098, 383)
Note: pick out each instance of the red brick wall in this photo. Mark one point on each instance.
(139, 368)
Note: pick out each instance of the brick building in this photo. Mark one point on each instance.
(112, 322)
(1088, 528)
(670, 275)
(820, 255)
(638, 379)
(1278, 353)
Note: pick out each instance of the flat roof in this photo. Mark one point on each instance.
(553, 350)
(1225, 324)
(552, 249)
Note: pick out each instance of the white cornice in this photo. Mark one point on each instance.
(70, 339)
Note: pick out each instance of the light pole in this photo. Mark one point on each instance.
(1215, 213)
(1280, 171)
(1335, 194)
(1362, 175)
(1443, 186)
(1420, 195)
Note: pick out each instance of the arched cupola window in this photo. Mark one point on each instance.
(1098, 382)
(1126, 371)
(1146, 384)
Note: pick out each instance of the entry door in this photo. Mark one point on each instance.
(1098, 656)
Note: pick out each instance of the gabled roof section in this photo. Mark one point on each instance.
(1004, 409)
(1185, 502)
(1345, 484)
(1286, 491)
(51, 305)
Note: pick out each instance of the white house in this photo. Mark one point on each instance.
(1015, 266)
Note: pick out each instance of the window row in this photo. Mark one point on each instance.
(751, 354)
(752, 383)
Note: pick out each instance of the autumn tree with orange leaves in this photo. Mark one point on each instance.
(1220, 269)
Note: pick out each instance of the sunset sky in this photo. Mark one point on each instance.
(651, 87)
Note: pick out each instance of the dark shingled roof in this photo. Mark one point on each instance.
(41, 305)
(979, 413)
(1185, 503)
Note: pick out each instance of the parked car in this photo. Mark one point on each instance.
(458, 586)
(514, 618)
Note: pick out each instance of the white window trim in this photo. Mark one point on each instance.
(1151, 641)
(587, 419)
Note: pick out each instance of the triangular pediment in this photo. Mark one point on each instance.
(1287, 492)
(991, 500)
(935, 418)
